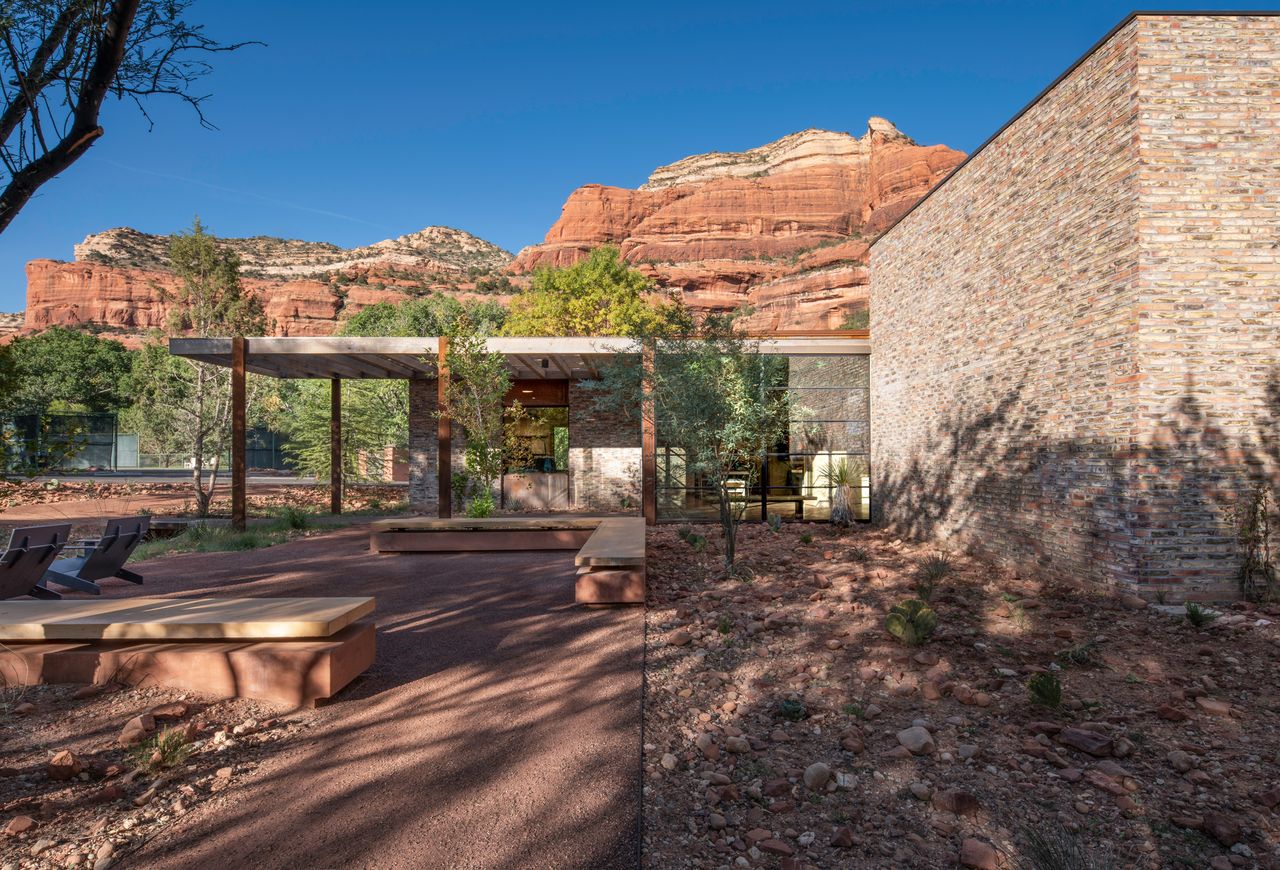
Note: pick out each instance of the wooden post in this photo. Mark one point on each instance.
(648, 440)
(335, 445)
(238, 512)
(444, 434)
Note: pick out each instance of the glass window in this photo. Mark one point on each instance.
(545, 436)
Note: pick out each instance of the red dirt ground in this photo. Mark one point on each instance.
(498, 727)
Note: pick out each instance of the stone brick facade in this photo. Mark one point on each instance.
(604, 453)
(604, 456)
(1077, 336)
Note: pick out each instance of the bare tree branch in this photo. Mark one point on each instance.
(61, 58)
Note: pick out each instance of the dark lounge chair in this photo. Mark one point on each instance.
(100, 557)
(31, 551)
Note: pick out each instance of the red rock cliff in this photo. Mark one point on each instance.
(781, 227)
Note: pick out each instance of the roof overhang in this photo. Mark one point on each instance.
(402, 358)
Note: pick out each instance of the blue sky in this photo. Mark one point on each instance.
(351, 128)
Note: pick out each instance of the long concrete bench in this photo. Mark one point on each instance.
(297, 651)
(610, 558)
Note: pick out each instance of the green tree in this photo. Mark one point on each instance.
(717, 400)
(597, 296)
(183, 403)
(375, 413)
(69, 370)
(473, 399)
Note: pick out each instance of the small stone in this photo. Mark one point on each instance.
(1091, 742)
(64, 766)
(1213, 707)
(707, 746)
(1170, 713)
(669, 761)
(90, 691)
(816, 776)
(679, 637)
(1223, 828)
(223, 773)
(19, 825)
(26, 708)
(957, 802)
(967, 751)
(979, 855)
(170, 712)
(843, 837)
(1181, 761)
(775, 847)
(737, 745)
(920, 791)
(917, 740)
(137, 730)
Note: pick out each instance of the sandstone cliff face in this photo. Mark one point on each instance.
(781, 227)
(306, 287)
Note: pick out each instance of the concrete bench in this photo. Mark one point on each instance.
(297, 651)
(610, 557)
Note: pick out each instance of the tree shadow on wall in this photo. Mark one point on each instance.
(1153, 511)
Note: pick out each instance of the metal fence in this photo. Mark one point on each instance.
(56, 440)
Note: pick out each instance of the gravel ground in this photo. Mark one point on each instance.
(499, 726)
(785, 727)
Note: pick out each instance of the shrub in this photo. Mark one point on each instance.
(1198, 616)
(1053, 847)
(1081, 655)
(683, 532)
(775, 522)
(859, 554)
(792, 710)
(912, 621)
(930, 571)
(1045, 689)
(167, 749)
(806, 538)
(481, 505)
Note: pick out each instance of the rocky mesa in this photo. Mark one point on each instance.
(782, 228)
(118, 277)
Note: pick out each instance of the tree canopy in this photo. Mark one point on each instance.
(68, 370)
(596, 296)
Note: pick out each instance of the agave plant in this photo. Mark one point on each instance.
(911, 621)
(842, 477)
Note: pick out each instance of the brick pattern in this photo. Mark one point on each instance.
(1074, 335)
(604, 456)
(424, 482)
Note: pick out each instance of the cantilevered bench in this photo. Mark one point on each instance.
(297, 651)
(611, 550)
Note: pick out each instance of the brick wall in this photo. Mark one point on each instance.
(604, 456)
(1073, 336)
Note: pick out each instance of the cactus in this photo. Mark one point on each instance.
(912, 621)
(775, 522)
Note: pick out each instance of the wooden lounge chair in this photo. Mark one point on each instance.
(100, 557)
(31, 551)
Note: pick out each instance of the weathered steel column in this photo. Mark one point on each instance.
(648, 439)
(444, 434)
(335, 445)
(237, 432)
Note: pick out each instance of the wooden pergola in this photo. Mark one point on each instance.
(378, 358)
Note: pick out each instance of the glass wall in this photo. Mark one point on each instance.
(822, 464)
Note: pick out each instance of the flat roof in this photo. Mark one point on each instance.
(1177, 13)
(401, 358)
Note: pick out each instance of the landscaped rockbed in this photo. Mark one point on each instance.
(88, 774)
(174, 499)
(784, 726)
